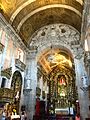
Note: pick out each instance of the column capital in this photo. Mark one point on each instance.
(27, 91)
(31, 54)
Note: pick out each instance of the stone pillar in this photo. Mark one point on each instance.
(82, 87)
(30, 84)
(85, 33)
(87, 64)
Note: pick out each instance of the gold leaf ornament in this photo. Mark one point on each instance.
(8, 4)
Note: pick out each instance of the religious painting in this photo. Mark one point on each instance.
(62, 86)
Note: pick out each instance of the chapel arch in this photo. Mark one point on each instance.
(16, 86)
(50, 40)
(62, 79)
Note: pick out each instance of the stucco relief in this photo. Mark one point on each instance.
(58, 35)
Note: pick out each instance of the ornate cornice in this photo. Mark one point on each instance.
(20, 64)
(7, 72)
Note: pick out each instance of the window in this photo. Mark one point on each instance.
(3, 82)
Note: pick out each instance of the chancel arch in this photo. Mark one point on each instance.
(16, 86)
(54, 37)
(59, 53)
(57, 35)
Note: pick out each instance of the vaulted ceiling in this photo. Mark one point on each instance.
(27, 16)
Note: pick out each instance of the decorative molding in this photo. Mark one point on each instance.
(20, 8)
(26, 91)
(20, 64)
(7, 72)
(60, 35)
(43, 8)
(6, 95)
(41, 3)
(84, 89)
